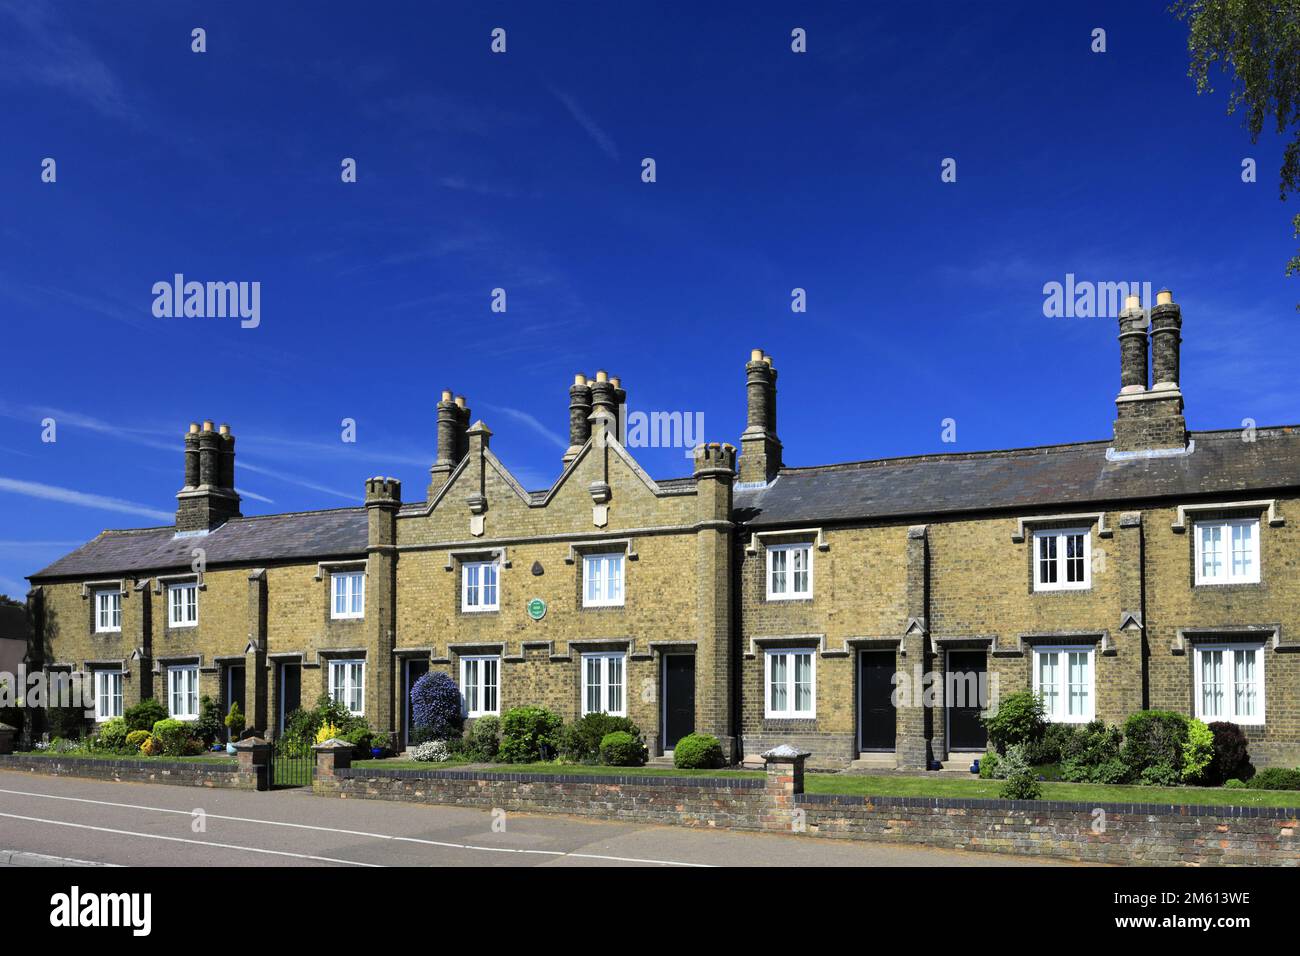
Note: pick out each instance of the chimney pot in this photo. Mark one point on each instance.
(602, 375)
(1132, 301)
(208, 497)
(579, 379)
(615, 382)
(460, 401)
(1164, 297)
(756, 355)
(446, 395)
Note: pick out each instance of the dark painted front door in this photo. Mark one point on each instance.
(965, 682)
(235, 689)
(679, 698)
(289, 692)
(875, 706)
(415, 669)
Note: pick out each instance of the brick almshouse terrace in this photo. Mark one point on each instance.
(757, 601)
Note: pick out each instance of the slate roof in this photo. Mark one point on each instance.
(311, 535)
(1045, 478)
(1042, 478)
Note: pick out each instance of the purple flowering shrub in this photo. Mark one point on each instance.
(436, 707)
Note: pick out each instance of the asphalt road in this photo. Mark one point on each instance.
(45, 819)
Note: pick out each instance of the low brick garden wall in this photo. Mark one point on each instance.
(1145, 834)
(684, 801)
(178, 772)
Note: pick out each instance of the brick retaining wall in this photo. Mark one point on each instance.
(180, 773)
(1154, 835)
(1144, 834)
(737, 803)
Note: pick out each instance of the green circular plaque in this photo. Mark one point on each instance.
(537, 609)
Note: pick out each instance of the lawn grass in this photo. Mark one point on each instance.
(931, 785)
(555, 769)
(201, 758)
(972, 788)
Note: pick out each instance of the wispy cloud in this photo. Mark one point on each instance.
(69, 496)
(270, 445)
(273, 446)
(40, 297)
(598, 135)
(533, 424)
(244, 492)
(301, 483)
(48, 55)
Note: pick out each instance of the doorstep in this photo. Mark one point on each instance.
(874, 761)
(960, 762)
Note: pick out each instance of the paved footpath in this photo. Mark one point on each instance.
(137, 824)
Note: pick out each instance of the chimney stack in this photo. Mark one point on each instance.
(1149, 420)
(620, 410)
(192, 456)
(579, 410)
(208, 498)
(462, 428)
(1166, 337)
(760, 454)
(603, 394)
(453, 418)
(227, 459)
(1132, 346)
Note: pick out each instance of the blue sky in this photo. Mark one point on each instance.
(522, 171)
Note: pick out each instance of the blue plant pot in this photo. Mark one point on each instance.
(376, 752)
(975, 767)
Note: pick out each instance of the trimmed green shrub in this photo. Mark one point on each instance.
(359, 737)
(698, 752)
(111, 736)
(621, 749)
(135, 740)
(1019, 720)
(1056, 742)
(1198, 752)
(1275, 778)
(302, 725)
(1021, 782)
(580, 741)
(1231, 753)
(485, 737)
(989, 766)
(528, 734)
(1092, 755)
(176, 738)
(144, 715)
(209, 727)
(234, 720)
(1153, 746)
(68, 723)
(1234, 784)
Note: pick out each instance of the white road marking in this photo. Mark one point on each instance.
(7, 858)
(171, 839)
(358, 833)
